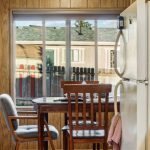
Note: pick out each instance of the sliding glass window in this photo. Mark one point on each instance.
(50, 49)
(29, 61)
(55, 48)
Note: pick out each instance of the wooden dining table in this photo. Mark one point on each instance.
(44, 105)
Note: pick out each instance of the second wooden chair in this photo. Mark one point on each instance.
(91, 129)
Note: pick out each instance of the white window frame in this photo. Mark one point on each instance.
(81, 14)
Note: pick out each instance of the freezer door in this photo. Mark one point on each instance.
(133, 106)
(130, 34)
(135, 44)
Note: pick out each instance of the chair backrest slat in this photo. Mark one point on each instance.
(77, 108)
(84, 108)
(106, 114)
(92, 108)
(99, 109)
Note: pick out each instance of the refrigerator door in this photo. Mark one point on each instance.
(130, 35)
(133, 105)
(148, 139)
(135, 44)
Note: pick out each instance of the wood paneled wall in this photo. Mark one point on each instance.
(113, 4)
(4, 47)
(5, 50)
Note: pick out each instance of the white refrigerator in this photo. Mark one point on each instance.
(132, 64)
(148, 120)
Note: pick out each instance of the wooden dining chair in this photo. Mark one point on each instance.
(64, 129)
(24, 133)
(91, 130)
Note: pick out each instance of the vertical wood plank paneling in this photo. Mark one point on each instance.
(55, 119)
(122, 3)
(54, 3)
(4, 47)
(93, 3)
(5, 136)
(127, 3)
(1, 46)
(44, 3)
(49, 3)
(61, 125)
(132, 1)
(78, 3)
(108, 3)
(65, 4)
(1, 133)
(32, 3)
(18, 4)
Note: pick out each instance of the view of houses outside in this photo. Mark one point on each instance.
(38, 46)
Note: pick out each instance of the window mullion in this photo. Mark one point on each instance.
(96, 51)
(68, 50)
(13, 60)
(44, 58)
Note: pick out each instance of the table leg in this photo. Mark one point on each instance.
(65, 141)
(45, 145)
(40, 129)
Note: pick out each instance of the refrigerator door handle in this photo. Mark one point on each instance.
(143, 81)
(120, 74)
(115, 95)
(137, 81)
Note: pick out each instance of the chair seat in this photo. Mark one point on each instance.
(31, 131)
(88, 133)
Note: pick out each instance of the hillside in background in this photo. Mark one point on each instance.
(34, 33)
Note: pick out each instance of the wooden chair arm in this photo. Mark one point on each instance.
(22, 117)
(27, 112)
